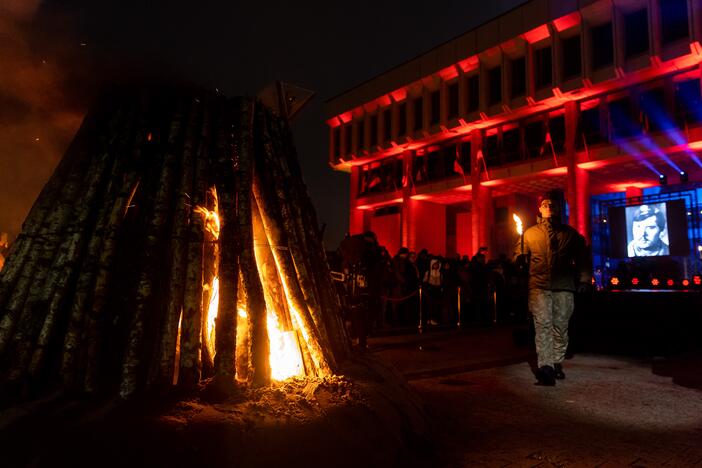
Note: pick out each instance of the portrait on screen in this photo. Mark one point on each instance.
(647, 230)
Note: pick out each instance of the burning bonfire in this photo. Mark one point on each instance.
(174, 244)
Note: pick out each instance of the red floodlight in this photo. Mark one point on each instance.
(655, 282)
(670, 282)
(697, 279)
(635, 281)
(614, 281)
(686, 282)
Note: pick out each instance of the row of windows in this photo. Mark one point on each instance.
(674, 20)
(542, 136)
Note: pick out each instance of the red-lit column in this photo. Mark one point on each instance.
(356, 216)
(479, 228)
(578, 180)
(406, 221)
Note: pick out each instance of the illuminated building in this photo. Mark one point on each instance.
(590, 97)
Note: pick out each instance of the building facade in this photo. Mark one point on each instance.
(591, 97)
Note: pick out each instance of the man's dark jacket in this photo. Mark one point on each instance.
(558, 257)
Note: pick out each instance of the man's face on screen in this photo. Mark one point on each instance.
(646, 233)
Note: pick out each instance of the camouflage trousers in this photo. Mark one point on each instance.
(551, 311)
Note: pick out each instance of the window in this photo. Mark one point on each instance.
(602, 46)
(624, 122)
(452, 91)
(688, 102)
(387, 124)
(374, 130)
(636, 33)
(348, 140)
(590, 127)
(674, 21)
(336, 135)
(418, 114)
(402, 130)
(435, 117)
(543, 67)
(494, 86)
(491, 151)
(572, 57)
(518, 77)
(473, 93)
(534, 138)
(556, 128)
(653, 112)
(511, 145)
(435, 165)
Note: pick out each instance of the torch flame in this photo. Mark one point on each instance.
(518, 223)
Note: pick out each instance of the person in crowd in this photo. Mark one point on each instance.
(449, 294)
(433, 285)
(558, 265)
(479, 287)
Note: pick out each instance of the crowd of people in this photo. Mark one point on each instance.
(413, 288)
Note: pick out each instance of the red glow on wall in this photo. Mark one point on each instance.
(346, 117)
(373, 206)
(567, 21)
(399, 94)
(471, 63)
(448, 73)
(536, 34)
(623, 186)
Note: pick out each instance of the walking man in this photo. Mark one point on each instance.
(559, 264)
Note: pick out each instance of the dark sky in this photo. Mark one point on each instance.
(239, 48)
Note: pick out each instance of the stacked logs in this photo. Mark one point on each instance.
(107, 287)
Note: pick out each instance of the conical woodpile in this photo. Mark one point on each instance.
(175, 242)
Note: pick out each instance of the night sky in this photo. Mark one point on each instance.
(55, 54)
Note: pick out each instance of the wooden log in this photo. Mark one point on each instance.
(306, 223)
(155, 233)
(27, 240)
(191, 326)
(210, 273)
(179, 247)
(255, 304)
(43, 314)
(226, 323)
(269, 202)
(271, 174)
(30, 292)
(93, 347)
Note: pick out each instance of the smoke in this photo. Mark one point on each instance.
(37, 118)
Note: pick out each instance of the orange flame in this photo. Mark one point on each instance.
(285, 357)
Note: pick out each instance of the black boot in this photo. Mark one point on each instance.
(546, 376)
(558, 371)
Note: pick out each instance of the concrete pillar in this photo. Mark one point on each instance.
(480, 196)
(578, 180)
(406, 212)
(356, 216)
